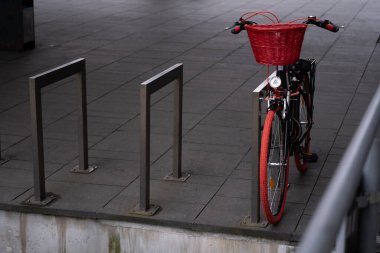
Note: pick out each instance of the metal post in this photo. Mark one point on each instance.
(144, 148)
(177, 128)
(368, 215)
(256, 134)
(177, 174)
(254, 219)
(82, 122)
(144, 207)
(83, 166)
(40, 197)
(37, 138)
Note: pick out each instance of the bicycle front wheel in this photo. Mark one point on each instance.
(274, 166)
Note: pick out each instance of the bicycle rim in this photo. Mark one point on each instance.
(305, 123)
(274, 167)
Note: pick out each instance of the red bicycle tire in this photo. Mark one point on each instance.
(273, 218)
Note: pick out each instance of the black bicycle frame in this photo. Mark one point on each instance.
(292, 105)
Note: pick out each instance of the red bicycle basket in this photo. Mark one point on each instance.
(276, 44)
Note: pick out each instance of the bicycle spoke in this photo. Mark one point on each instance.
(275, 165)
(305, 123)
(276, 187)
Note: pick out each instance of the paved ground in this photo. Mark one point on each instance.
(126, 42)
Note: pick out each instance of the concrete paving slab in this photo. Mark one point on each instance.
(228, 119)
(219, 135)
(14, 178)
(56, 151)
(222, 211)
(13, 163)
(299, 193)
(108, 172)
(201, 162)
(235, 188)
(10, 193)
(74, 196)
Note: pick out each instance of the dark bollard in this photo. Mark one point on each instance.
(16, 24)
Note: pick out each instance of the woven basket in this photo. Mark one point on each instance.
(276, 44)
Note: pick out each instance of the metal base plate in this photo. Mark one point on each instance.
(91, 168)
(50, 197)
(183, 178)
(246, 222)
(153, 209)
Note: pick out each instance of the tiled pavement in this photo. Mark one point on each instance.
(126, 42)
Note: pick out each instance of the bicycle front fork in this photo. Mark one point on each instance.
(286, 102)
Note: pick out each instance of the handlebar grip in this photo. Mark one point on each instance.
(330, 26)
(325, 24)
(240, 26)
(235, 30)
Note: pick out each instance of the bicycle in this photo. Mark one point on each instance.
(289, 95)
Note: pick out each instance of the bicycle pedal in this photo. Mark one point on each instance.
(310, 158)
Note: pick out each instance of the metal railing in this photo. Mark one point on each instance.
(147, 88)
(347, 213)
(254, 219)
(36, 83)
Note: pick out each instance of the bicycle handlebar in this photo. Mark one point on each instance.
(325, 24)
(239, 25)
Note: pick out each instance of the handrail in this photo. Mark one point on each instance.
(340, 195)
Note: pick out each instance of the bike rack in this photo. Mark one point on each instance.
(254, 219)
(147, 88)
(36, 83)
